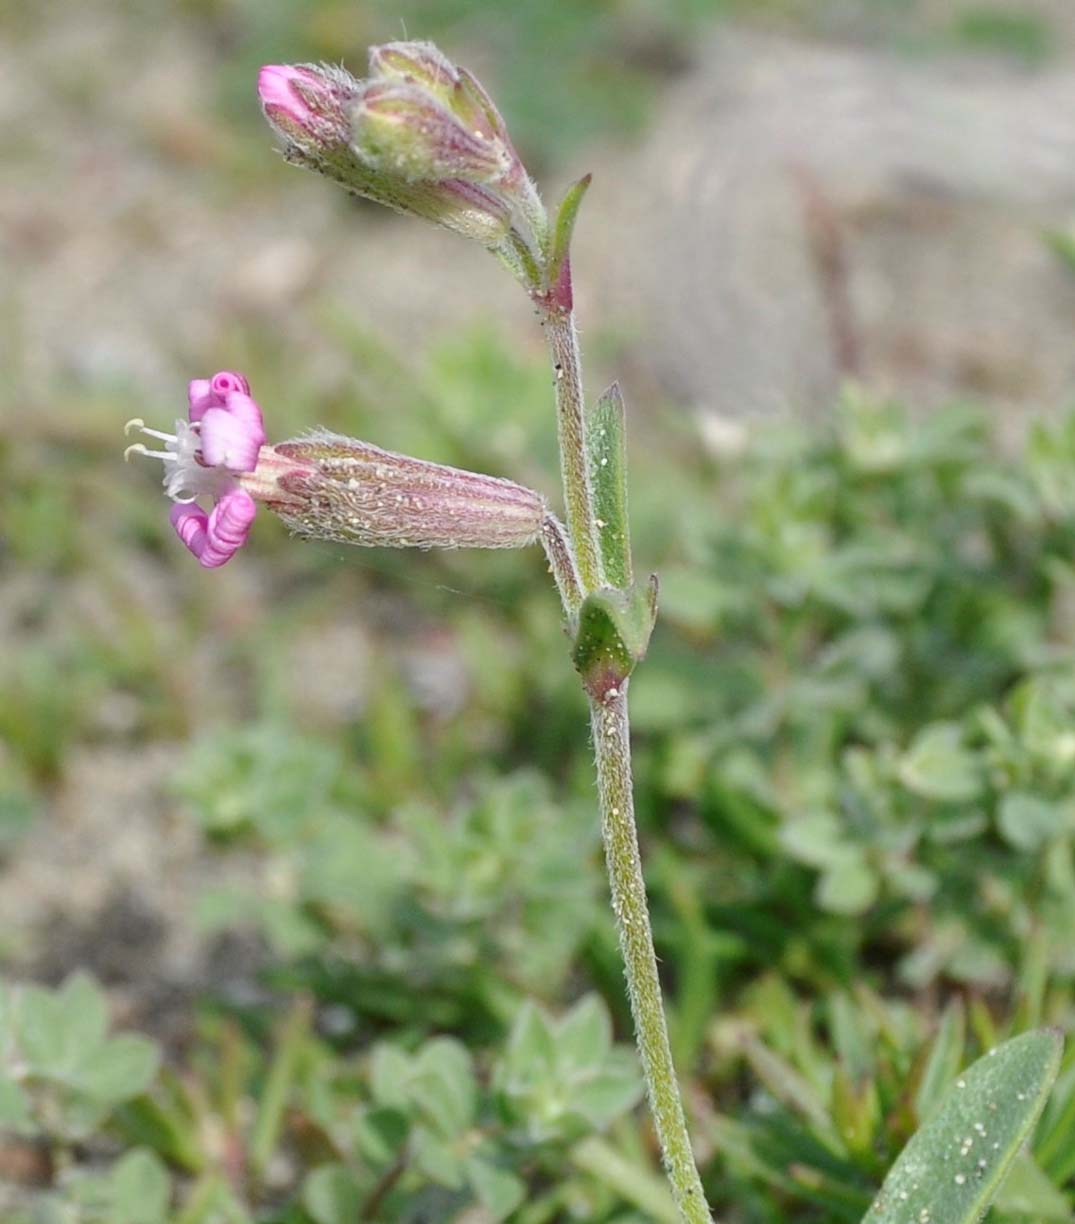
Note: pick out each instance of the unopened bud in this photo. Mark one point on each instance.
(337, 488)
(310, 108)
(415, 63)
(424, 65)
(404, 130)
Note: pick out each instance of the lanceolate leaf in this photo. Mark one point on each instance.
(564, 227)
(952, 1168)
(606, 448)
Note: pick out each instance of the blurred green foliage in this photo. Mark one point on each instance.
(855, 758)
(855, 764)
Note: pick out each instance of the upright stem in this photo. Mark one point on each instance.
(563, 345)
(612, 746)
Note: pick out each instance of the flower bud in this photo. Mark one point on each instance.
(308, 106)
(403, 130)
(337, 488)
(415, 63)
(310, 109)
(423, 65)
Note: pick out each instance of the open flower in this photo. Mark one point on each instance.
(218, 443)
(324, 485)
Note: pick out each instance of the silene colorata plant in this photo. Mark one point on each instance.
(422, 136)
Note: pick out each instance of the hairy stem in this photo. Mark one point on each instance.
(563, 346)
(562, 563)
(612, 746)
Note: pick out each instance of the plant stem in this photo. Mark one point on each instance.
(612, 746)
(562, 563)
(563, 346)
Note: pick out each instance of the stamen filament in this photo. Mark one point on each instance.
(140, 448)
(142, 427)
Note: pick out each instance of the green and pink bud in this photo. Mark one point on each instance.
(404, 130)
(312, 107)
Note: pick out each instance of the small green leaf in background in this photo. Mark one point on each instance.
(498, 1190)
(562, 1079)
(1028, 822)
(942, 1062)
(141, 1188)
(938, 766)
(331, 1195)
(952, 1168)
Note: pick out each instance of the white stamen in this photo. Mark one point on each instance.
(186, 476)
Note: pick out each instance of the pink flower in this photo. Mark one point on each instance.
(322, 485)
(218, 443)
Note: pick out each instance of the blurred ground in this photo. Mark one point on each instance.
(149, 233)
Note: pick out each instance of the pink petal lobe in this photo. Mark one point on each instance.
(201, 398)
(228, 380)
(206, 393)
(246, 410)
(215, 538)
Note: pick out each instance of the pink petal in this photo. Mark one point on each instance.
(246, 410)
(215, 538)
(201, 398)
(229, 441)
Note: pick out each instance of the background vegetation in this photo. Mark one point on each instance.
(855, 755)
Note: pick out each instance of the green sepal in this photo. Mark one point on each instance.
(606, 452)
(611, 635)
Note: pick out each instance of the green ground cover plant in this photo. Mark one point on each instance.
(855, 790)
(859, 851)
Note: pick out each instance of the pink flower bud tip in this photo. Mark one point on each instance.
(280, 100)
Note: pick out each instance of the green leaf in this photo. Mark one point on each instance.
(381, 1133)
(141, 1188)
(390, 1071)
(564, 228)
(1028, 1194)
(57, 1030)
(443, 1086)
(584, 1035)
(613, 632)
(606, 450)
(331, 1195)
(943, 1062)
(531, 1049)
(438, 1159)
(1027, 822)
(953, 1166)
(499, 1191)
(613, 1088)
(848, 887)
(937, 766)
(14, 1108)
(119, 1069)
